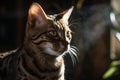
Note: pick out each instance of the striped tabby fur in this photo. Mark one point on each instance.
(47, 39)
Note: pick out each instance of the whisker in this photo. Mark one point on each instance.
(75, 20)
(72, 58)
(72, 24)
(75, 54)
(76, 49)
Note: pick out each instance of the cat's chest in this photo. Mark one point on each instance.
(31, 77)
(45, 74)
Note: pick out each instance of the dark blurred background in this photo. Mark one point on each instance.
(94, 52)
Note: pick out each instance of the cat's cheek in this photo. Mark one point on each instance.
(47, 48)
(51, 52)
(52, 49)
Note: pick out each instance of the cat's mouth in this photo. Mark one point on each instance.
(56, 52)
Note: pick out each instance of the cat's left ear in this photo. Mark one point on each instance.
(67, 14)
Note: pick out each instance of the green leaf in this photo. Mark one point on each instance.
(110, 72)
(115, 63)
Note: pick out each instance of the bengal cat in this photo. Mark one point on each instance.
(47, 39)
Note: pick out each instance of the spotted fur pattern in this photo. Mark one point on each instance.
(47, 39)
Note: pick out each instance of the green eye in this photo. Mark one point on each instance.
(53, 33)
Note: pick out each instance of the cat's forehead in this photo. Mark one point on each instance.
(57, 21)
(57, 24)
(51, 23)
(48, 25)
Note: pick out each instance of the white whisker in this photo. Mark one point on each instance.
(75, 48)
(75, 20)
(72, 58)
(73, 24)
(74, 53)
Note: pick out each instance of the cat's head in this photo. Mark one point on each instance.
(47, 34)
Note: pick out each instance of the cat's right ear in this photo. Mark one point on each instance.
(36, 12)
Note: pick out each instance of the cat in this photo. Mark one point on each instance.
(47, 39)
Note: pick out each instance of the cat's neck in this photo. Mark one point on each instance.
(43, 65)
(45, 60)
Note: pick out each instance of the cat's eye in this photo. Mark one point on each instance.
(68, 34)
(53, 33)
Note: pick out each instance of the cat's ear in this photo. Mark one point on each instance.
(36, 12)
(66, 14)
